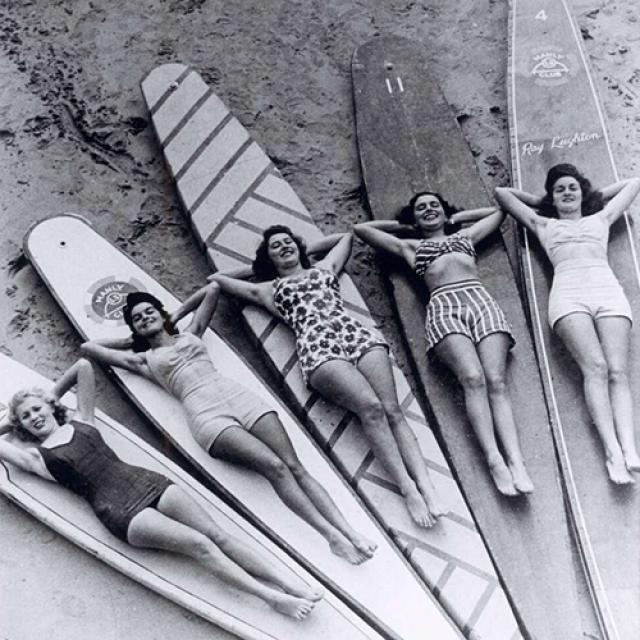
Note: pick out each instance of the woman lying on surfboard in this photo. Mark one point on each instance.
(227, 420)
(344, 361)
(137, 505)
(588, 309)
(465, 327)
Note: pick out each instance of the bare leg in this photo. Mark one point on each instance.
(153, 529)
(376, 367)
(269, 430)
(578, 333)
(493, 351)
(614, 338)
(340, 382)
(459, 353)
(241, 447)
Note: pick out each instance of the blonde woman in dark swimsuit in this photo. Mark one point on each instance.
(344, 361)
(588, 309)
(137, 505)
(226, 419)
(465, 327)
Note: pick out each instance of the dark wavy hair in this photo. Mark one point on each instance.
(140, 344)
(406, 215)
(262, 265)
(592, 200)
(59, 411)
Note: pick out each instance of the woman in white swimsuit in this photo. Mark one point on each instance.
(588, 309)
(227, 420)
(465, 327)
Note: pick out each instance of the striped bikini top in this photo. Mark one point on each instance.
(430, 250)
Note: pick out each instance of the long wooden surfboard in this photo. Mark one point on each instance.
(177, 578)
(555, 117)
(93, 298)
(231, 191)
(409, 141)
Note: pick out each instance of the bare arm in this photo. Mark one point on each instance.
(253, 292)
(203, 302)
(515, 203)
(103, 351)
(82, 375)
(240, 273)
(339, 254)
(324, 244)
(26, 458)
(380, 234)
(620, 195)
(471, 215)
(487, 222)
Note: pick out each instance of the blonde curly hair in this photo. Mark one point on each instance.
(59, 410)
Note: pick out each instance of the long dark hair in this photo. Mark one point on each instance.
(592, 200)
(140, 344)
(262, 265)
(406, 215)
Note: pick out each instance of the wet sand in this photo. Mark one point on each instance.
(75, 136)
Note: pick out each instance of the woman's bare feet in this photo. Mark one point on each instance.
(362, 543)
(521, 480)
(298, 608)
(632, 460)
(436, 505)
(346, 549)
(502, 478)
(617, 470)
(418, 509)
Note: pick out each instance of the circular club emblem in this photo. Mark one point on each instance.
(551, 66)
(108, 296)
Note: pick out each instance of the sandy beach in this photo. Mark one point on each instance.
(75, 136)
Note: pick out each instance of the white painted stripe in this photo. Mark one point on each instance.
(211, 162)
(277, 189)
(177, 105)
(194, 132)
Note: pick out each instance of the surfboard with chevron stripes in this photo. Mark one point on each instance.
(555, 117)
(409, 141)
(231, 191)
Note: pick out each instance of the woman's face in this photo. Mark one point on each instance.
(146, 320)
(283, 251)
(567, 194)
(36, 416)
(428, 212)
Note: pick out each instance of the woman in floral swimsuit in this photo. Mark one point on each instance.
(465, 327)
(340, 358)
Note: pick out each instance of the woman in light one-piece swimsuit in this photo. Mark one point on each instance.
(139, 506)
(226, 419)
(588, 309)
(465, 327)
(345, 361)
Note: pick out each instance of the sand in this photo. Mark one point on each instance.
(75, 136)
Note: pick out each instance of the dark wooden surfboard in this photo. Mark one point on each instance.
(555, 117)
(231, 191)
(409, 140)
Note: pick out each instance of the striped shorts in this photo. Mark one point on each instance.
(467, 308)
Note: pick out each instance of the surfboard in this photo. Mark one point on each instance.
(410, 141)
(93, 300)
(555, 117)
(177, 578)
(231, 191)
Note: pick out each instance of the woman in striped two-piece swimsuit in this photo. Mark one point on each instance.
(465, 327)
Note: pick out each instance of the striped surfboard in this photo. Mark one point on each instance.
(231, 191)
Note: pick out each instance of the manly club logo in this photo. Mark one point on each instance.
(108, 297)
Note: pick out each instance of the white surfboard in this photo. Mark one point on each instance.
(384, 589)
(177, 578)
